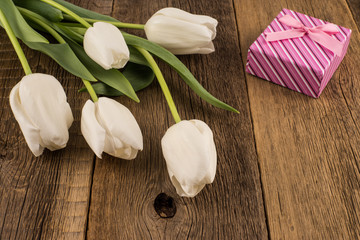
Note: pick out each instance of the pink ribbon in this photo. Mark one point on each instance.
(320, 34)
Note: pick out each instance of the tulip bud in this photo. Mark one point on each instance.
(109, 126)
(39, 105)
(105, 44)
(181, 32)
(190, 154)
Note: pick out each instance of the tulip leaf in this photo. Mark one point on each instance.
(69, 34)
(137, 57)
(176, 64)
(139, 76)
(65, 57)
(41, 8)
(18, 24)
(112, 77)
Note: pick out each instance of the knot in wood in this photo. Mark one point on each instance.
(165, 206)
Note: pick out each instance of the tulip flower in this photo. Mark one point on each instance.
(105, 44)
(181, 32)
(109, 126)
(39, 105)
(190, 154)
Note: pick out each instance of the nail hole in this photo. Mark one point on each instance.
(165, 206)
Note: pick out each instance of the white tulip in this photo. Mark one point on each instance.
(181, 32)
(105, 44)
(109, 126)
(39, 105)
(190, 154)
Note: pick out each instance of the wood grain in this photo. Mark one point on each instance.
(45, 197)
(124, 191)
(308, 148)
(354, 6)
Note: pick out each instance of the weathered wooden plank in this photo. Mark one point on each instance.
(308, 148)
(124, 191)
(45, 197)
(354, 6)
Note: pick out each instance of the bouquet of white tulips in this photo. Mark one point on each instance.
(110, 63)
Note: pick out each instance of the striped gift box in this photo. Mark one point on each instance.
(298, 63)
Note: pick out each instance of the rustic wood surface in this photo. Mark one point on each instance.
(288, 165)
(308, 149)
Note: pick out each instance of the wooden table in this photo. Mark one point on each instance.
(288, 165)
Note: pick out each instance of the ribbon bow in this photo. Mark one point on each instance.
(320, 34)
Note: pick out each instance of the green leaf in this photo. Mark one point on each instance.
(69, 34)
(82, 12)
(41, 8)
(138, 75)
(20, 27)
(112, 77)
(65, 57)
(137, 57)
(176, 64)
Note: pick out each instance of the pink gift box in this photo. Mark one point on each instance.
(298, 63)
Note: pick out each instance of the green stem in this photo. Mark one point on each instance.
(67, 11)
(90, 90)
(71, 24)
(15, 44)
(33, 17)
(73, 35)
(162, 82)
(78, 30)
(117, 24)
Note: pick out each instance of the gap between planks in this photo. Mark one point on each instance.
(252, 125)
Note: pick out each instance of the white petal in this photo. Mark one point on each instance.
(211, 149)
(182, 32)
(44, 101)
(92, 131)
(30, 132)
(123, 134)
(206, 49)
(175, 33)
(105, 44)
(115, 147)
(210, 22)
(190, 154)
